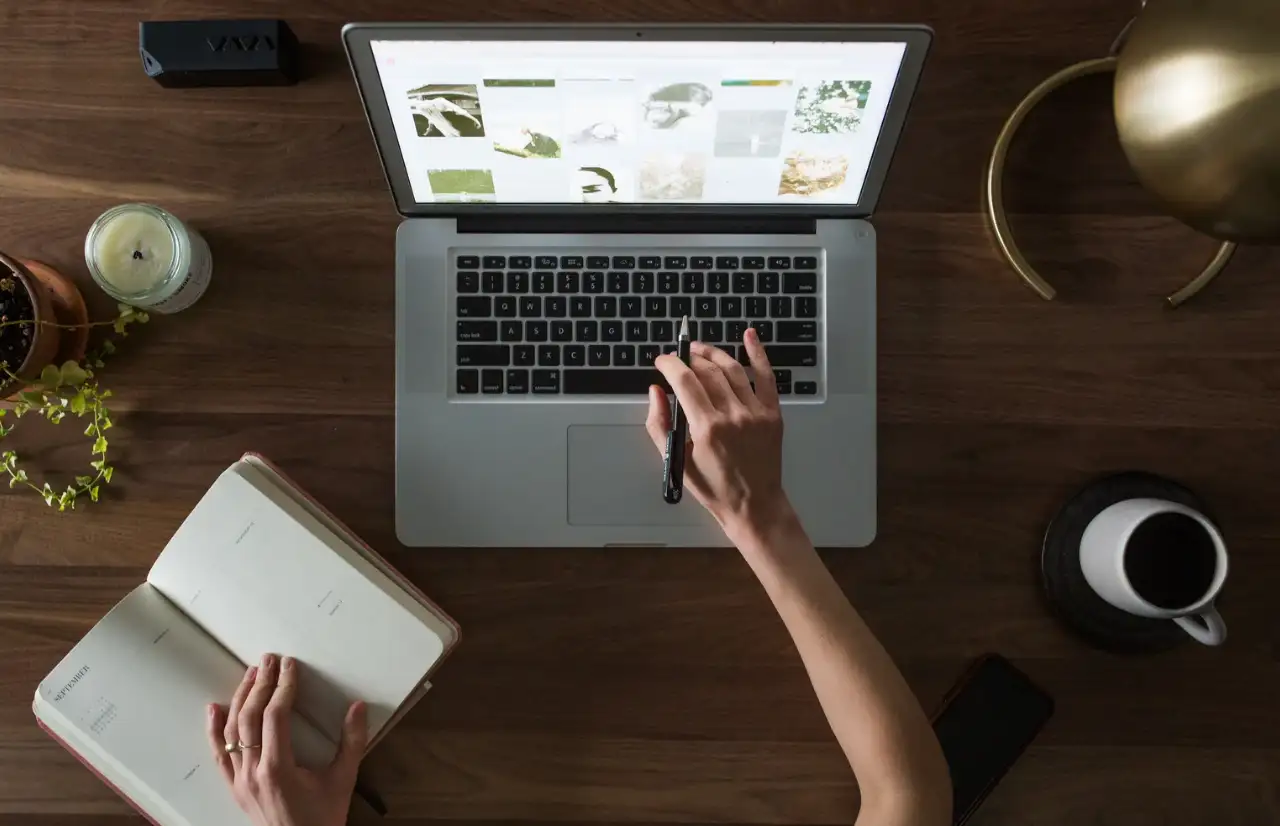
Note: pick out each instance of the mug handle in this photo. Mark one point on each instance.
(1206, 628)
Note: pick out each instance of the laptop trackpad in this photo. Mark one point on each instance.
(615, 478)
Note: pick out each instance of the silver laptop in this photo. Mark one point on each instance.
(569, 193)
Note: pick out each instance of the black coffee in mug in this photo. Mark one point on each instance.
(1170, 560)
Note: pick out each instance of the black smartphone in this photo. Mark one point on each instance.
(987, 720)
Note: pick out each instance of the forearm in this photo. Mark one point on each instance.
(878, 722)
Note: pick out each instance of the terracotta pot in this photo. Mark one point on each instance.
(44, 338)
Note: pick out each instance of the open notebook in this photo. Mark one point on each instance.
(257, 567)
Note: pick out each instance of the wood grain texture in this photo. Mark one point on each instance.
(646, 687)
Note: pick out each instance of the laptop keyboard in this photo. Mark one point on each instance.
(580, 323)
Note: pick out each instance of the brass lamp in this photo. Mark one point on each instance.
(1197, 108)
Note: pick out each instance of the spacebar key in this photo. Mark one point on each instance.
(612, 382)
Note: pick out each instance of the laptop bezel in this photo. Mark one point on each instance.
(358, 37)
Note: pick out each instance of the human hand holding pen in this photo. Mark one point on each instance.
(734, 455)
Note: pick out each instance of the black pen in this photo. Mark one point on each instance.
(677, 437)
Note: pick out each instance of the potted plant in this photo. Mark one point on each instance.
(30, 335)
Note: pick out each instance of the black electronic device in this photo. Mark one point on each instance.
(986, 722)
(187, 53)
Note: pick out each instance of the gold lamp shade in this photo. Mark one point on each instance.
(1197, 108)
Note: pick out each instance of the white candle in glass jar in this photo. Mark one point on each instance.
(144, 256)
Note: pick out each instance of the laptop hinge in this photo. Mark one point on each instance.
(638, 224)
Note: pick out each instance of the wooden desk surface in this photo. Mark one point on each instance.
(658, 686)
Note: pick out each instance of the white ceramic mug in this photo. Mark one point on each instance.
(1158, 559)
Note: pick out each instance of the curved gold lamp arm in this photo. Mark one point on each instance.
(994, 190)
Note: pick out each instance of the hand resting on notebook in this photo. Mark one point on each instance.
(264, 778)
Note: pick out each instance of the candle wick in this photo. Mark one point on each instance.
(137, 255)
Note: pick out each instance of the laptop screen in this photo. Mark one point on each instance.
(597, 122)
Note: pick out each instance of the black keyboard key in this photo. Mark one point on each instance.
(752, 262)
(668, 282)
(491, 281)
(517, 282)
(733, 331)
(629, 306)
(731, 307)
(793, 331)
(544, 282)
(495, 262)
(744, 283)
(546, 262)
(806, 306)
(580, 307)
(477, 331)
(612, 382)
(587, 331)
(792, 355)
(512, 330)
(468, 262)
(468, 381)
(780, 306)
(768, 283)
(800, 282)
(546, 381)
(571, 262)
(655, 306)
(518, 381)
(637, 331)
(575, 355)
(624, 355)
(711, 332)
(619, 282)
(598, 262)
(483, 355)
(806, 388)
(522, 355)
(468, 281)
(764, 329)
(664, 331)
(548, 355)
(606, 307)
(561, 331)
(642, 282)
(784, 390)
(567, 282)
(681, 306)
(623, 262)
(806, 262)
(478, 306)
(675, 262)
(782, 378)
(779, 262)
(694, 282)
(649, 354)
(535, 331)
(593, 282)
(555, 306)
(611, 330)
(504, 306)
(728, 262)
(490, 381)
(701, 262)
(704, 306)
(650, 262)
(520, 262)
(757, 307)
(718, 283)
(598, 355)
(530, 307)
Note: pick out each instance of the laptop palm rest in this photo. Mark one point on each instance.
(615, 478)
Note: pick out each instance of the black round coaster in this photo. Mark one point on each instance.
(1077, 604)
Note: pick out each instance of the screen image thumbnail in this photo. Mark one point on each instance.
(831, 107)
(461, 184)
(807, 174)
(446, 111)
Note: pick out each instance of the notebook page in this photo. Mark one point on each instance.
(131, 696)
(260, 574)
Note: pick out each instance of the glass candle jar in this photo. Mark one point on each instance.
(144, 256)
